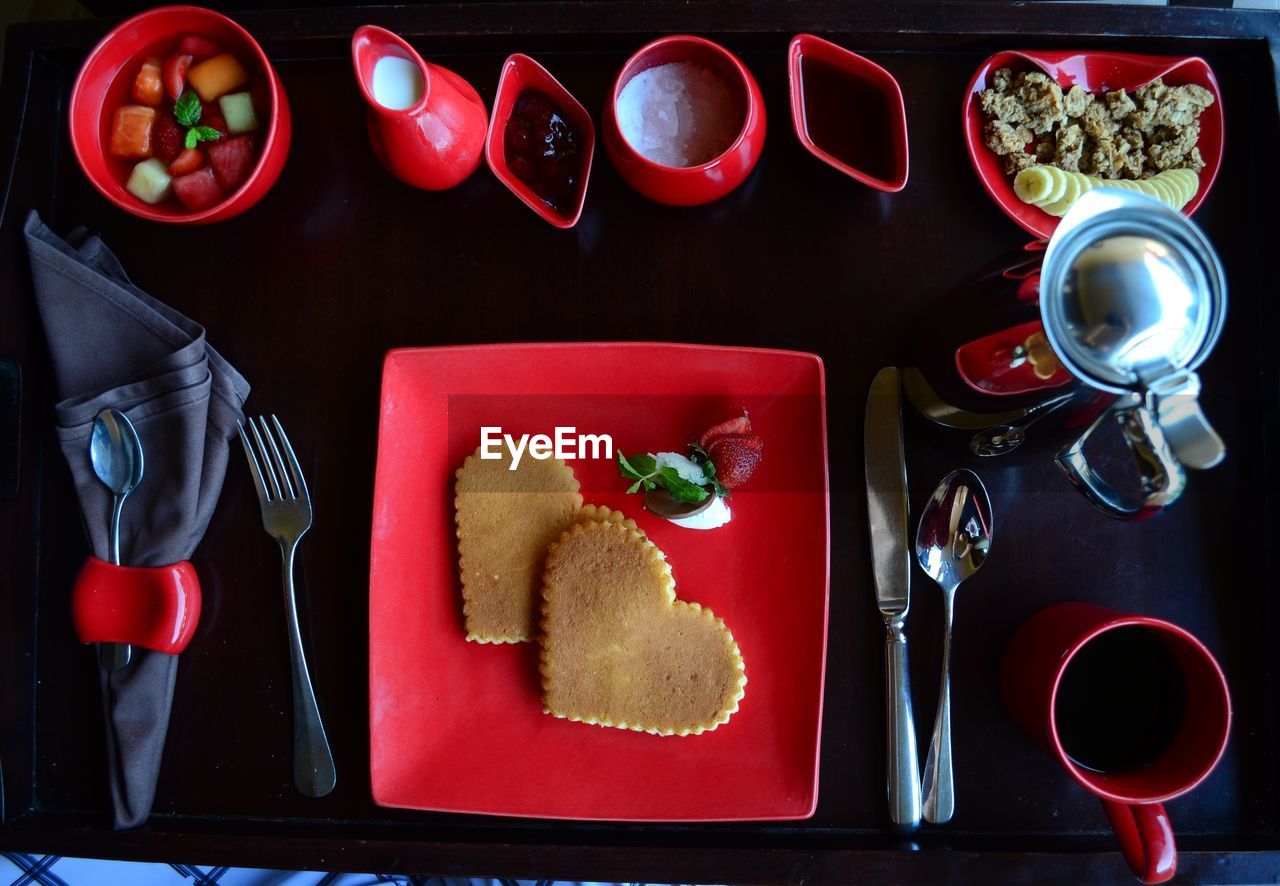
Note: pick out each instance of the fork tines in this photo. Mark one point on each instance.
(277, 476)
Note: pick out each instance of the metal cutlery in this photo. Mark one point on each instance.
(886, 473)
(116, 454)
(951, 545)
(286, 515)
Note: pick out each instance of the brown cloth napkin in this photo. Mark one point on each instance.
(114, 345)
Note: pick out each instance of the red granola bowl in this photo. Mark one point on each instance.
(104, 82)
(688, 185)
(1095, 72)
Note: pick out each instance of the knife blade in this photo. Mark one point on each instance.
(887, 512)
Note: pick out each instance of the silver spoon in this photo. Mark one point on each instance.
(951, 544)
(116, 453)
(1003, 439)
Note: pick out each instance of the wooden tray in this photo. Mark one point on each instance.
(341, 262)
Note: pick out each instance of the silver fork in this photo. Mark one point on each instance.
(286, 515)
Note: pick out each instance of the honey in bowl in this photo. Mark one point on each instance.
(849, 118)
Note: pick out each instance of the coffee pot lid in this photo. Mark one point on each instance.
(1130, 291)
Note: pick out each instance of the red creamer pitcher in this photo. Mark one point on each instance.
(426, 124)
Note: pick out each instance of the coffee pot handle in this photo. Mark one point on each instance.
(1163, 478)
(1174, 399)
(1146, 840)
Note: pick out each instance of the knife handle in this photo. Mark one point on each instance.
(903, 769)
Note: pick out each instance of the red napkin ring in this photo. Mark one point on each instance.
(152, 607)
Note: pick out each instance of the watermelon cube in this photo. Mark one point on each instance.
(149, 181)
(131, 131)
(197, 46)
(232, 160)
(215, 77)
(198, 190)
(237, 110)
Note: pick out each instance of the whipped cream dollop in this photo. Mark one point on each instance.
(713, 516)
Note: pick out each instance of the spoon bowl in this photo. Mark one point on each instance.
(951, 545)
(116, 454)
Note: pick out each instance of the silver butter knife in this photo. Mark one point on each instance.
(891, 558)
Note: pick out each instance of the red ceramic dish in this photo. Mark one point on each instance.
(868, 72)
(458, 726)
(688, 185)
(986, 365)
(103, 84)
(1095, 72)
(519, 73)
(436, 143)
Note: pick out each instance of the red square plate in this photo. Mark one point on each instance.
(458, 726)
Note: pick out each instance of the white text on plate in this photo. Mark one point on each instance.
(566, 444)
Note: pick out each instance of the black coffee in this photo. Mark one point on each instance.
(1121, 701)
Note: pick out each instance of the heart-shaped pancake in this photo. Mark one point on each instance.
(618, 648)
(505, 521)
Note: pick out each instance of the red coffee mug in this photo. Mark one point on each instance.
(1031, 675)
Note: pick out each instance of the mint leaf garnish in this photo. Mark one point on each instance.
(205, 133)
(680, 488)
(187, 109)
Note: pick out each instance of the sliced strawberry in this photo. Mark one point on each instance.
(175, 74)
(211, 115)
(738, 424)
(167, 138)
(736, 457)
(198, 190)
(232, 160)
(188, 161)
(198, 47)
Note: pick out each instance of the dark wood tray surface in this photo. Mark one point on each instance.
(341, 262)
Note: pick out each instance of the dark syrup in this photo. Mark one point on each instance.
(542, 149)
(1121, 701)
(848, 118)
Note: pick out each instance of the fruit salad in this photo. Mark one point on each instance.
(187, 132)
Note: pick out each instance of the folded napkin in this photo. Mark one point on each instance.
(114, 345)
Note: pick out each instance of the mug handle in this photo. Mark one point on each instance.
(1146, 839)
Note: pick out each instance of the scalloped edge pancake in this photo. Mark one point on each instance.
(505, 521)
(617, 646)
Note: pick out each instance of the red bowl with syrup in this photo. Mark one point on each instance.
(848, 112)
(704, 182)
(520, 76)
(104, 84)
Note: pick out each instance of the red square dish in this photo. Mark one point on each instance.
(458, 726)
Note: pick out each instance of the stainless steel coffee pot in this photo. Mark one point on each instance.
(1133, 299)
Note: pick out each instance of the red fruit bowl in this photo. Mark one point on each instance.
(104, 83)
(1095, 72)
(689, 185)
(520, 73)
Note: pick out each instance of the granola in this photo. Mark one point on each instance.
(1118, 134)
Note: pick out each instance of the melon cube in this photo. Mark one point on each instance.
(237, 110)
(149, 181)
(198, 190)
(147, 88)
(131, 131)
(215, 77)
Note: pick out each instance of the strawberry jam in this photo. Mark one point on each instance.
(542, 149)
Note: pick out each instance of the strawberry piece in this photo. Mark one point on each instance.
(198, 47)
(211, 115)
(146, 87)
(232, 160)
(175, 74)
(198, 190)
(736, 457)
(167, 138)
(188, 161)
(738, 424)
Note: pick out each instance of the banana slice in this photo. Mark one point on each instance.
(1086, 182)
(1191, 183)
(1166, 192)
(1033, 184)
(1175, 185)
(1059, 186)
(1069, 196)
(1145, 186)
